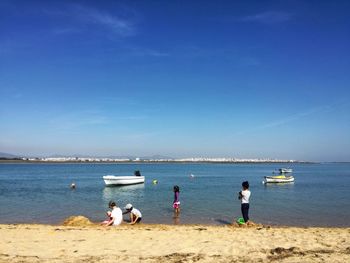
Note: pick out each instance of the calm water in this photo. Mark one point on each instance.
(40, 193)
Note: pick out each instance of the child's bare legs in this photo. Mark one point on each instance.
(177, 211)
(176, 216)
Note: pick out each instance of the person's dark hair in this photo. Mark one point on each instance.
(245, 184)
(111, 204)
(137, 173)
(176, 188)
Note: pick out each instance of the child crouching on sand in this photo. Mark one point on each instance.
(135, 214)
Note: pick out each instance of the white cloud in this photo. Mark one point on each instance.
(113, 22)
(287, 119)
(77, 120)
(146, 52)
(117, 23)
(270, 17)
(250, 61)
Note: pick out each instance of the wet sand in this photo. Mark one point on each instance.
(79, 241)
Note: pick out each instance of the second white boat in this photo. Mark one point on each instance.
(279, 179)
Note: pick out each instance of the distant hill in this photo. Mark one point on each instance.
(8, 155)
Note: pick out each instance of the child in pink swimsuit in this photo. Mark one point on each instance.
(176, 203)
(109, 215)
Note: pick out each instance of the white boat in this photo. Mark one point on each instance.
(123, 180)
(279, 179)
(285, 170)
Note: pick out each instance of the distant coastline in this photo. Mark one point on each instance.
(177, 161)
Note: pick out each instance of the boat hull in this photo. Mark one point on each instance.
(123, 180)
(285, 170)
(278, 179)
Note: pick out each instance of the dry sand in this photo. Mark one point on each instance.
(81, 241)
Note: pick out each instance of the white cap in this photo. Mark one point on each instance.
(128, 206)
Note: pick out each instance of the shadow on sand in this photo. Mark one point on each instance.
(223, 221)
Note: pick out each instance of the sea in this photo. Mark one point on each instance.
(41, 193)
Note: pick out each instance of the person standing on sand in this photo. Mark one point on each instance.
(244, 196)
(176, 203)
(117, 214)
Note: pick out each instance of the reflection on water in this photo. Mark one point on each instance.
(127, 192)
(176, 220)
(279, 185)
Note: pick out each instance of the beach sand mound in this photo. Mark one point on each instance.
(77, 221)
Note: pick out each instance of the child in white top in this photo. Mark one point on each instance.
(117, 214)
(244, 196)
(135, 214)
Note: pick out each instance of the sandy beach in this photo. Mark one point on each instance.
(77, 241)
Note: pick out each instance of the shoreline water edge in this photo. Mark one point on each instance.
(209, 193)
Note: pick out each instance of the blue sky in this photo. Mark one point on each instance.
(239, 79)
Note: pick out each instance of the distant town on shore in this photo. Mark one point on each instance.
(153, 159)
